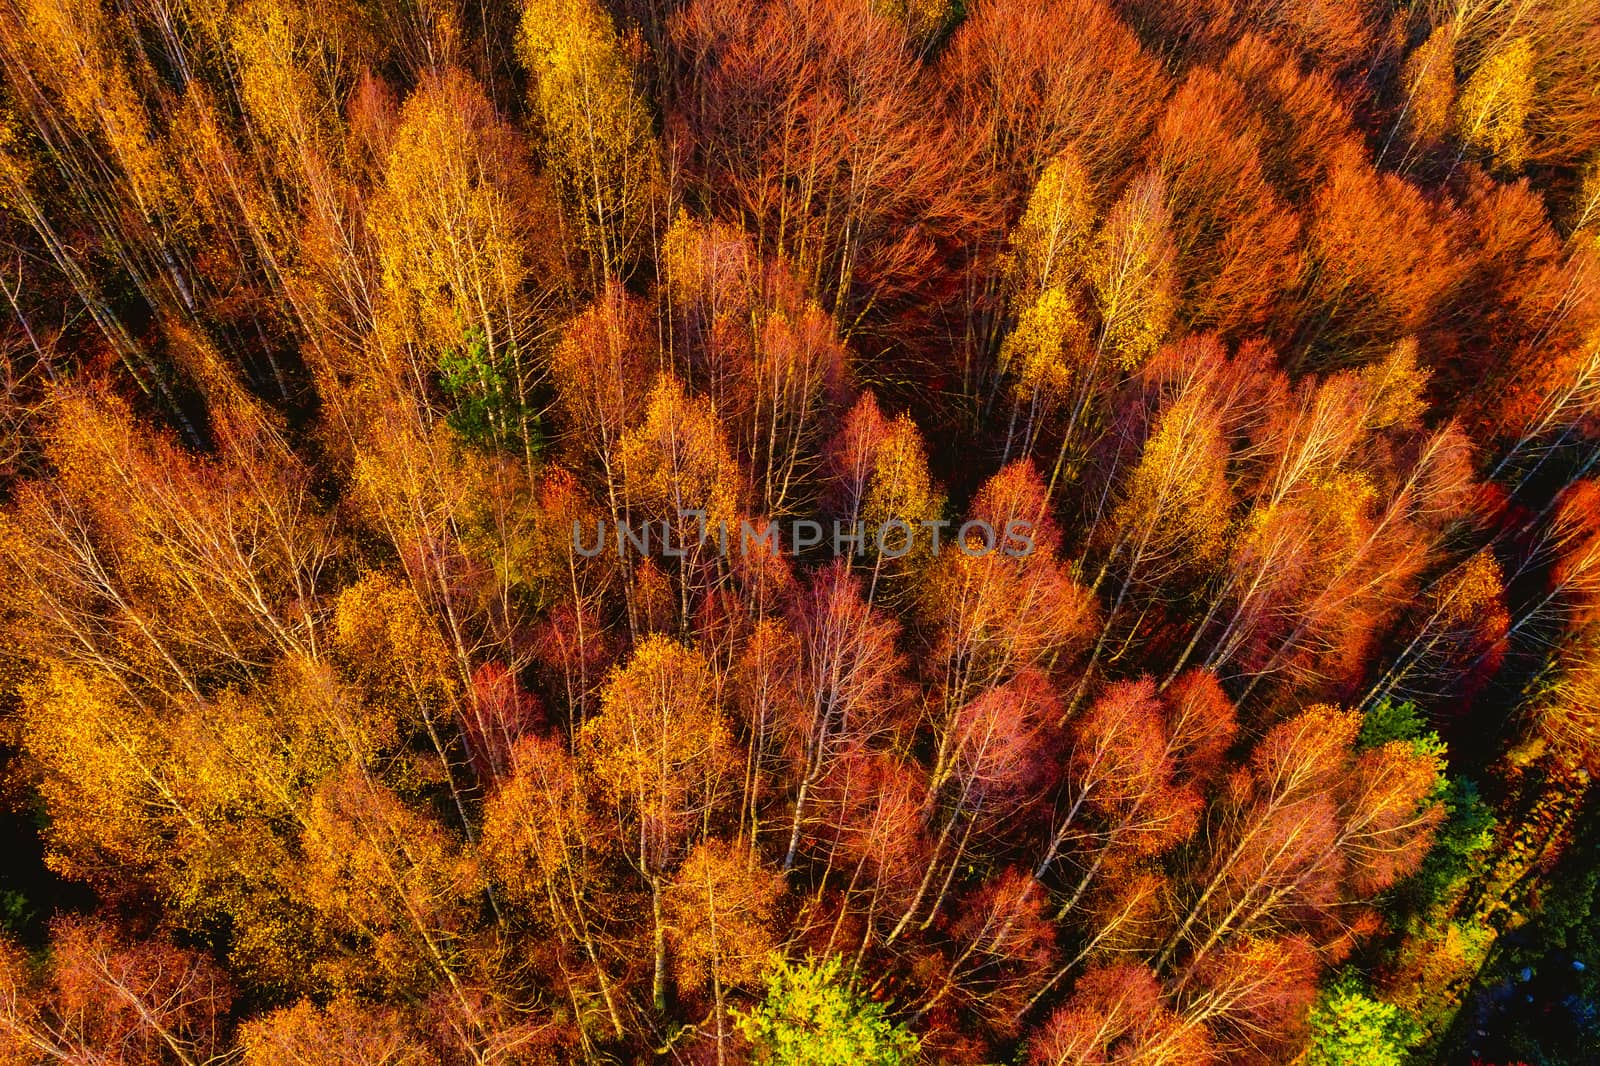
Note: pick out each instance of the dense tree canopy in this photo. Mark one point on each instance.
(798, 532)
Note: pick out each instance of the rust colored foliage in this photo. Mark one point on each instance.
(565, 531)
(804, 123)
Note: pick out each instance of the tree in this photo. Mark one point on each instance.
(602, 371)
(544, 847)
(998, 609)
(680, 477)
(1429, 81)
(1130, 269)
(659, 750)
(1121, 795)
(1171, 513)
(810, 1015)
(1311, 824)
(1348, 1026)
(1001, 949)
(1252, 998)
(136, 533)
(1233, 235)
(850, 680)
(595, 131)
(1116, 1014)
(805, 123)
(924, 20)
(391, 877)
(462, 274)
(1492, 111)
(104, 997)
(344, 1033)
(1050, 241)
(720, 908)
(1380, 262)
(766, 355)
(1034, 80)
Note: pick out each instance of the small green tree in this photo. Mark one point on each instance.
(488, 410)
(810, 1017)
(1350, 1028)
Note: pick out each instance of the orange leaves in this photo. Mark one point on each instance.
(1234, 236)
(499, 712)
(854, 698)
(806, 122)
(1200, 724)
(220, 558)
(1009, 609)
(1116, 1015)
(1311, 825)
(104, 769)
(1123, 774)
(1389, 816)
(851, 457)
(104, 998)
(1565, 718)
(343, 1033)
(1001, 942)
(1156, 296)
(1575, 535)
(1429, 80)
(1306, 125)
(851, 668)
(767, 356)
(1031, 80)
(1252, 999)
(1001, 744)
(602, 369)
(388, 874)
(720, 909)
(1564, 715)
(658, 747)
(536, 823)
(1382, 261)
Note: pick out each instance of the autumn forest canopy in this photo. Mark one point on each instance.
(325, 741)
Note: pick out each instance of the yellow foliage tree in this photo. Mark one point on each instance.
(659, 750)
(1429, 77)
(1050, 240)
(900, 497)
(597, 136)
(720, 908)
(924, 20)
(1495, 106)
(468, 285)
(1045, 354)
(1130, 267)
